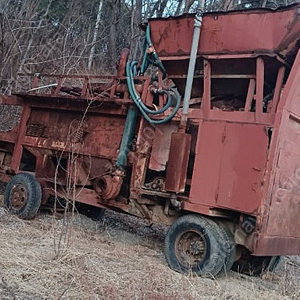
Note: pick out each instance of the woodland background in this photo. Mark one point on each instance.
(84, 36)
(121, 257)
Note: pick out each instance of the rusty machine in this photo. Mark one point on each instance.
(203, 133)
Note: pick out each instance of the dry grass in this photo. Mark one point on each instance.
(120, 258)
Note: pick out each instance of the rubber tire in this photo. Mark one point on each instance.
(229, 247)
(256, 265)
(274, 263)
(213, 260)
(92, 212)
(33, 199)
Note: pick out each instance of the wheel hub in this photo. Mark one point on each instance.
(18, 196)
(191, 248)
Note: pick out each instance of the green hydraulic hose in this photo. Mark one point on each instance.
(146, 57)
(127, 137)
(142, 107)
(131, 71)
(145, 62)
(130, 83)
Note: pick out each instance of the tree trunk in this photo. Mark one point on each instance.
(187, 5)
(162, 8)
(97, 25)
(136, 20)
(178, 9)
(113, 38)
(228, 5)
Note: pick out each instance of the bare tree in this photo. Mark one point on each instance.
(33, 33)
(187, 5)
(97, 25)
(79, 36)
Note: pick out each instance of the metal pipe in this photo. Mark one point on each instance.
(192, 63)
(42, 87)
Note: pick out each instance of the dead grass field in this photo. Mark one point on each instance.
(73, 257)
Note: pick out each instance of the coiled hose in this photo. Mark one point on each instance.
(130, 66)
(150, 57)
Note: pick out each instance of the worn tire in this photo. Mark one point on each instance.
(23, 195)
(256, 265)
(275, 263)
(228, 247)
(192, 244)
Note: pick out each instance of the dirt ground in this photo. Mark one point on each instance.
(72, 257)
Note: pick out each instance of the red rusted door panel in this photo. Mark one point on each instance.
(228, 171)
(205, 181)
(242, 167)
(279, 221)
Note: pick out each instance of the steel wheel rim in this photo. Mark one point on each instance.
(191, 248)
(18, 196)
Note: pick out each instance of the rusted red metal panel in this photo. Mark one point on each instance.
(286, 190)
(206, 101)
(18, 148)
(178, 162)
(263, 31)
(140, 158)
(242, 168)
(228, 169)
(207, 163)
(10, 100)
(279, 221)
(277, 90)
(232, 116)
(259, 94)
(98, 135)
